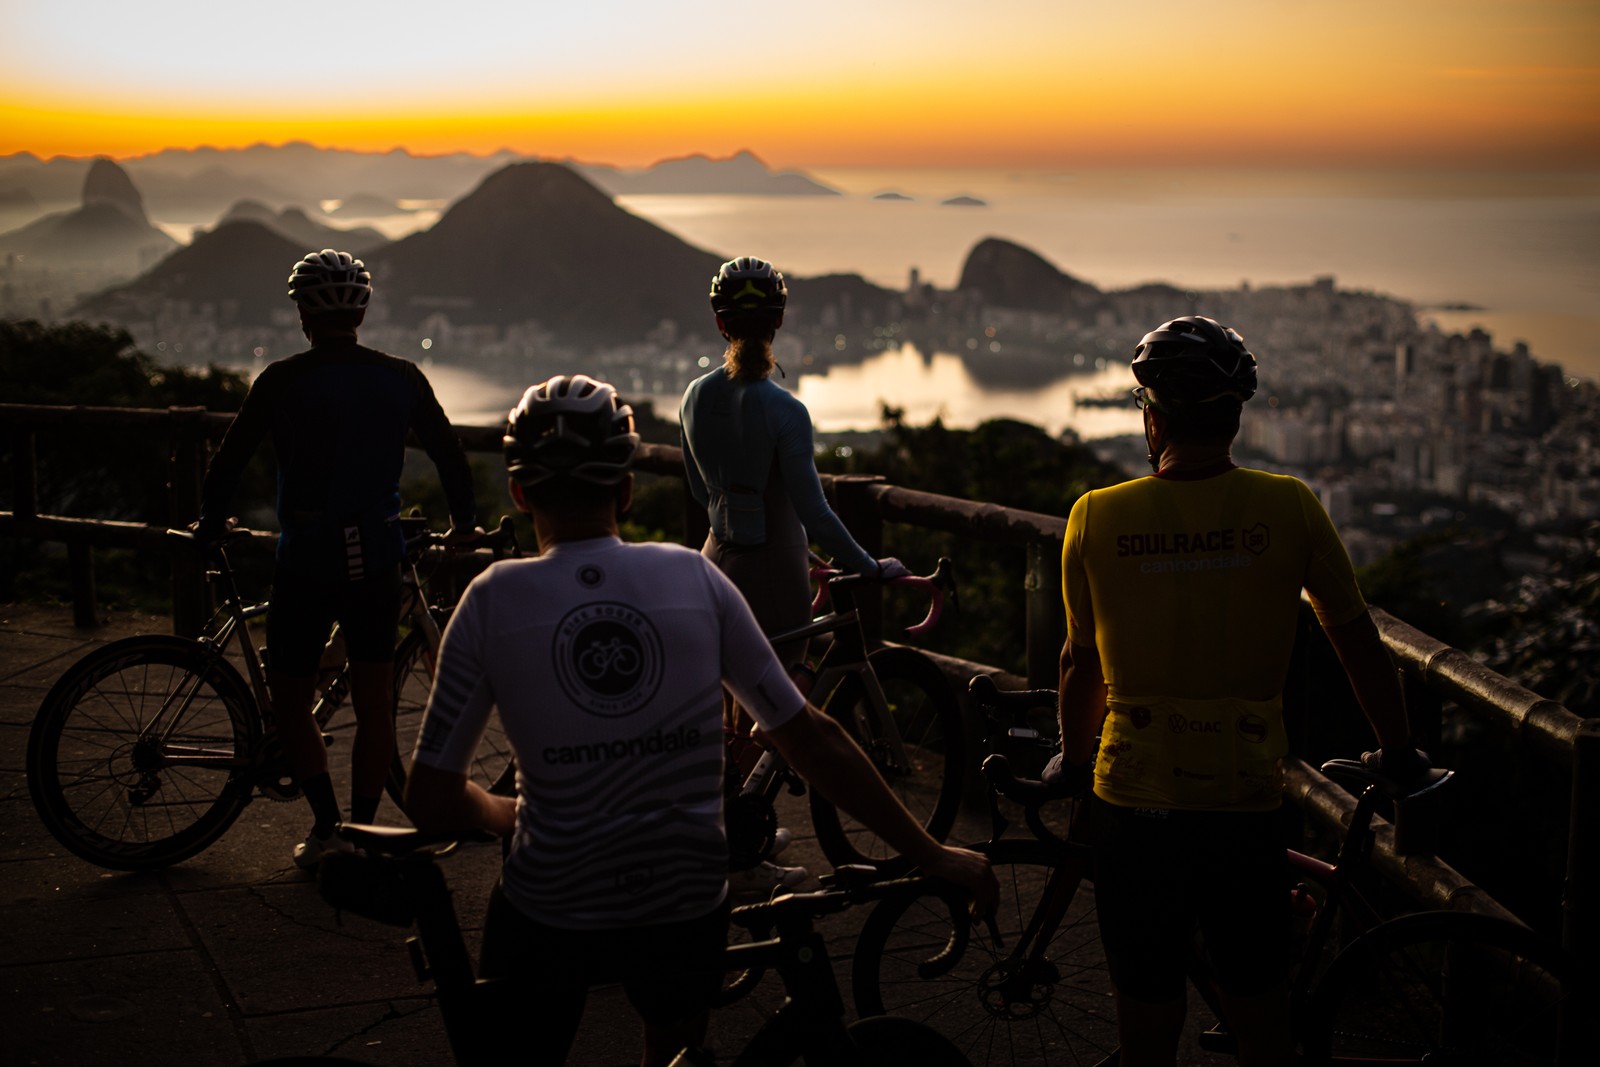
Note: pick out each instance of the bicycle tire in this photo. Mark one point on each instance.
(493, 767)
(103, 791)
(925, 711)
(1444, 988)
(910, 962)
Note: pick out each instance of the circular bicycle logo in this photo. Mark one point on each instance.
(608, 659)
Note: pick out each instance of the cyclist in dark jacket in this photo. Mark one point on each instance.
(338, 414)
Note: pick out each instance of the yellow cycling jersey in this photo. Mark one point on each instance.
(1189, 589)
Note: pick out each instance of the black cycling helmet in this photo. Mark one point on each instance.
(330, 281)
(570, 427)
(1195, 360)
(748, 284)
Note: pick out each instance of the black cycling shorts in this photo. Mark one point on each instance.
(670, 972)
(304, 608)
(1160, 875)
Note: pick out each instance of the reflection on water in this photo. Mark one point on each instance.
(852, 397)
(943, 386)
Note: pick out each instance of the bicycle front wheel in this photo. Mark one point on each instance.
(140, 756)
(1022, 997)
(494, 766)
(1445, 987)
(923, 720)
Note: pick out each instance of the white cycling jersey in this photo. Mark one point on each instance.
(606, 661)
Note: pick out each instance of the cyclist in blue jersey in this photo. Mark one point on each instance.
(338, 415)
(605, 662)
(747, 450)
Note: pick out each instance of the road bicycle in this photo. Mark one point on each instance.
(395, 878)
(1428, 987)
(146, 750)
(895, 702)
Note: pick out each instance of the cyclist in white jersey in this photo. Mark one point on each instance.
(606, 661)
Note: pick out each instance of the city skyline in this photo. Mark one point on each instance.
(1490, 84)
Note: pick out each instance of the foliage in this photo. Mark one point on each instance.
(1003, 462)
(117, 474)
(1547, 632)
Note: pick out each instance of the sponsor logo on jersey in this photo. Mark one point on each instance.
(1116, 748)
(590, 575)
(1182, 724)
(624, 747)
(1198, 776)
(1253, 728)
(1140, 717)
(1174, 544)
(608, 658)
(1257, 539)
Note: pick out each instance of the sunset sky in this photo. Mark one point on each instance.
(1502, 84)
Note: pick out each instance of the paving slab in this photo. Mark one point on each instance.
(132, 1009)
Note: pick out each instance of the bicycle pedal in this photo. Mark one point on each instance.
(419, 962)
(1219, 1039)
(328, 740)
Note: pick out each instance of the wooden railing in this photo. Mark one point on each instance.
(1435, 674)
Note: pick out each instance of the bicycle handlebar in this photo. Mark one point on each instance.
(939, 584)
(847, 886)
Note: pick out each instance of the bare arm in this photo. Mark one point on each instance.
(827, 757)
(443, 802)
(1082, 701)
(1373, 678)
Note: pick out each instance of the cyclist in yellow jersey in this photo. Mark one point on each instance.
(1182, 591)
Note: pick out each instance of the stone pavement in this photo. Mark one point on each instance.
(230, 956)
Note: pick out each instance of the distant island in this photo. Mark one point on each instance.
(891, 194)
(963, 201)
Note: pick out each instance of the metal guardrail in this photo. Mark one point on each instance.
(1434, 671)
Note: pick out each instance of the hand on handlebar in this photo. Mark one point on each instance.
(969, 870)
(890, 568)
(454, 538)
(1071, 779)
(210, 533)
(1401, 764)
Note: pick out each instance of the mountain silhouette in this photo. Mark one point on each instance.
(107, 183)
(239, 269)
(297, 226)
(1010, 276)
(536, 241)
(109, 232)
(740, 174)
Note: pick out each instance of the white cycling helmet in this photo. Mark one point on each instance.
(570, 428)
(330, 281)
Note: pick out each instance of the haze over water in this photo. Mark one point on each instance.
(1521, 248)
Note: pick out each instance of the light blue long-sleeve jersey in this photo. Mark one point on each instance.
(738, 434)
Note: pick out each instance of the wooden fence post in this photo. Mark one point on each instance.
(1580, 898)
(190, 601)
(1042, 592)
(858, 510)
(24, 475)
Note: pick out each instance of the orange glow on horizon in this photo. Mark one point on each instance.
(1472, 83)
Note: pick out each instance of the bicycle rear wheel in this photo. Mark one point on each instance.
(140, 755)
(923, 712)
(494, 767)
(921, 958)
(1444, 988)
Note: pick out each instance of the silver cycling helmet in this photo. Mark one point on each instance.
(570, 428)
(1195, 360)
(330, 281)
